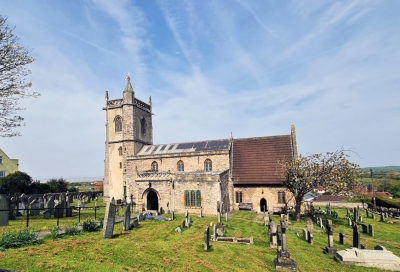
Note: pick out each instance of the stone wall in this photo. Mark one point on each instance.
(323, 204)
(255, 194)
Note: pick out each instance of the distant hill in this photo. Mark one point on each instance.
(382, 168)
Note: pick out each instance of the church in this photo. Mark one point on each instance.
(229, 173)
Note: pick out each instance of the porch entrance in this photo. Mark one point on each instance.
(152, 201)
(263, 205)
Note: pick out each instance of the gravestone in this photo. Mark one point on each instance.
(360, 218)
(382, 259)
(201, 212)
(109, 219)
(283, 260)
(81, 204)
(113, 200)
(58, 210)
(364, 228)
(226, 217)
(310, 238)
(68, 211)
(379, 247)
(348, 213)
(305, 235)
(355, 214)
(329, 230)
(50, 205)
(34, 208)
(373, 215)
(41, 204)
(310, 224)
(350, 223)
(140, 217)
(127, 218)
(215, 234)
(47, 214)
(183, 224)
(178, 230)
(382, 217)
(3, 214)
(367, 213)
(356, 236)
(371, 230)
(362, 246)
(207, 239)
(173, 215)
(135, 223)
(342, 238)
(273, 242)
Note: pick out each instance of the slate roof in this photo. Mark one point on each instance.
(212, 145)
(255, 160)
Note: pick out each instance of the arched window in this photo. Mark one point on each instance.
(281, 198)
(154, 166)
(181, 166)
(208, 165)
(120, 165)
(120, 150)
(192, 198)
(143, 126)
(118, 123)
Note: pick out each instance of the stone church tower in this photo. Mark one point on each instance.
(128, 128)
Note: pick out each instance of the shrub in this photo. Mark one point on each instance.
(55, 233)
(73, 230)
(387, 202)
(91, 225)
(19, 239)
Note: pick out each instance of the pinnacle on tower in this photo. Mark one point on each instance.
(128, 86)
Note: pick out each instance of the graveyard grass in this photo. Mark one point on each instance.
(155, 246)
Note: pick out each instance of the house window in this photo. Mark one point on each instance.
(192, 198)
(118, 123)
(238, 197)
(281, 197)
(143, 126)
(120, 150)
(1, 159)
(2, 174)
(154, 166)
(181, 166)
(208, 165)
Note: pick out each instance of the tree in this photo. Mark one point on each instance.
(58, 185)
(331, 171)
(16, 183)
(13, 84)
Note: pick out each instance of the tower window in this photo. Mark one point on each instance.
(154, 166)
(208, 165)
(118, 123)
(143, 126)
(181, 166)
(120, 165)
(120, 150)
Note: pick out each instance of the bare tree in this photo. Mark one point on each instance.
(331, 171)
(13, 83)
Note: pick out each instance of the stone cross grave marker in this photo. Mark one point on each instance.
(273, 235)
(329, 230)
(109, 219)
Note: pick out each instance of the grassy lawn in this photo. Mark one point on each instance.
(155, 246)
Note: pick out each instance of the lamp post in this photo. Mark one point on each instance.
(373, 189)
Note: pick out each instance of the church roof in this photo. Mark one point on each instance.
(255, 160)
(212, 145)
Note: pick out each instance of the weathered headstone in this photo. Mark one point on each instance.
(310, 238)
(207, 239)
(58, 210)
(350, 223)
(379, 247)
(356, 236)
(50, 205)
(329, 230)
(364, 228)
(367, 213)
(34, 208)
(273, 235)
(342, 238)
(360, 219)
(226, 217)
(305, 235)
(183, 224)
(215, 234)
(310, 224)
(127, 218)
(178, 230)
(283, 259)
(173, 215)
(47, 214)
(109, 219)
(382, 217)
(371, 230)
(3, 214)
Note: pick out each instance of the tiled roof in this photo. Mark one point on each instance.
(212, 145)
(255, 160)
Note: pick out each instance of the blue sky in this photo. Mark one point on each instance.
(252, 68)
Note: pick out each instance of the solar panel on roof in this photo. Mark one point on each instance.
(170, 147)
(147, 150)
(163, 147)
(185, 146)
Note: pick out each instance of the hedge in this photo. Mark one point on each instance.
(387, 202)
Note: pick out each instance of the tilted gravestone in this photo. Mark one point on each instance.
(3, 214)
(207, 239)
(356, 236)
(109, 219)
(127, 218)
